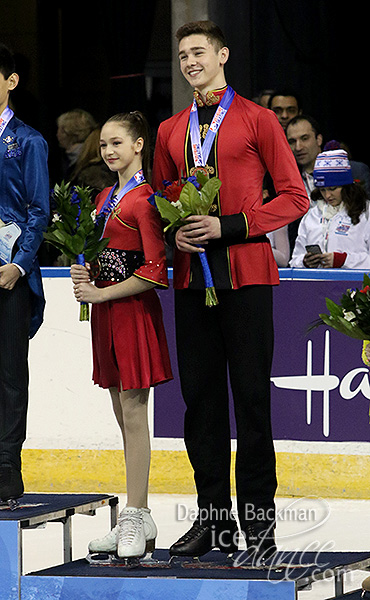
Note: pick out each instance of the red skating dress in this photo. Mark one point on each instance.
(128, 337)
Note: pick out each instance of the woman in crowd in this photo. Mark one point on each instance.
(335, 233)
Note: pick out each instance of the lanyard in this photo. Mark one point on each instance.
(5, 117)
(112, 199)
(201, 152)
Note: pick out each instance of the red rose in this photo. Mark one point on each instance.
(365, 290)
(172, 192)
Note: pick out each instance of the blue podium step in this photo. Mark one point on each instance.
(301, 567)
(214, 575)
(33, 510)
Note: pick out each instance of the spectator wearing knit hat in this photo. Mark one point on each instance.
(338, 224)
(360, 171)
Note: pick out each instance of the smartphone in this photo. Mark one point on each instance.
(314, 249)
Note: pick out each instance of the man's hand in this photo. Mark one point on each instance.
(9, 275)
(199, 229)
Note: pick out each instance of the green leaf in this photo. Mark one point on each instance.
(333, 308)
(202, 178)
(189, 198)
(168, 211)
(91, 253)
(208, 193)
(366, 280)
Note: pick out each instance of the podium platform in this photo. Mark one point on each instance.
(212, 576)
(35, 510)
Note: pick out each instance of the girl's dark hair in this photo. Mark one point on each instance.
(7, 63)
(137, 126)
(354, 198)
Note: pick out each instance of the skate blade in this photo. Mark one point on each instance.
(12, 503)
(113, 560)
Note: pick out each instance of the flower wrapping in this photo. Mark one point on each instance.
(185, 197)
(75, 230)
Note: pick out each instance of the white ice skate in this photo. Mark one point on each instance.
(109, 542)
(131, 536)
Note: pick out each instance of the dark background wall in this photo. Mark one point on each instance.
(317, 47)
(116, 56)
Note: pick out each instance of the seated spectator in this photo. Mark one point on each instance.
(286, 105)
(338, 225)
(73, 128)
(90, 169)
(279, 241)
(360, 171)
(263, 98)
(305, 139)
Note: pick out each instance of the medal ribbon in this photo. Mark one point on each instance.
(5, 117)
(112, 199)
(201, 152)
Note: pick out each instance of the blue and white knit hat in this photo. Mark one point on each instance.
(332, 168)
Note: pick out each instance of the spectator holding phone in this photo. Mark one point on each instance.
(335, 233)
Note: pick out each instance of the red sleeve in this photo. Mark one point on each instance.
(291, 201)
(163, 165)
(151, 232)
(339, 259)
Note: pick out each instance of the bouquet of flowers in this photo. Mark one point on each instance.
(352, 315)
(180, 199)
(74, 229)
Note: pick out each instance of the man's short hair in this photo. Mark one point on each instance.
(212, 32)
(285, 92)
(7, 62)
(314, 124)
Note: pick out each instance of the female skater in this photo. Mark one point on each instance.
(129, 345)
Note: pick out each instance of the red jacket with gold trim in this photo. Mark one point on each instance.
(249, 142)
(135, 224)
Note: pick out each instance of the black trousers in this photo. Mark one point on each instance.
(15, 311)
(235, 337)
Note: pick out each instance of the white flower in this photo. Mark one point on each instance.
(177, 204)
(93, 215)
(349, 316)
(56, 217)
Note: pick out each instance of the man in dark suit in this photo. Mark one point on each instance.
(24, 201)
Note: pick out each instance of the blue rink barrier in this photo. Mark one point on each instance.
(314, 274)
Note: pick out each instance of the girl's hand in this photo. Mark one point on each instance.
(87, 292)
(312, 261)
(80, 273)
(327, 260)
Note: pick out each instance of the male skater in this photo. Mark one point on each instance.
(245, 140)
(24, 201)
